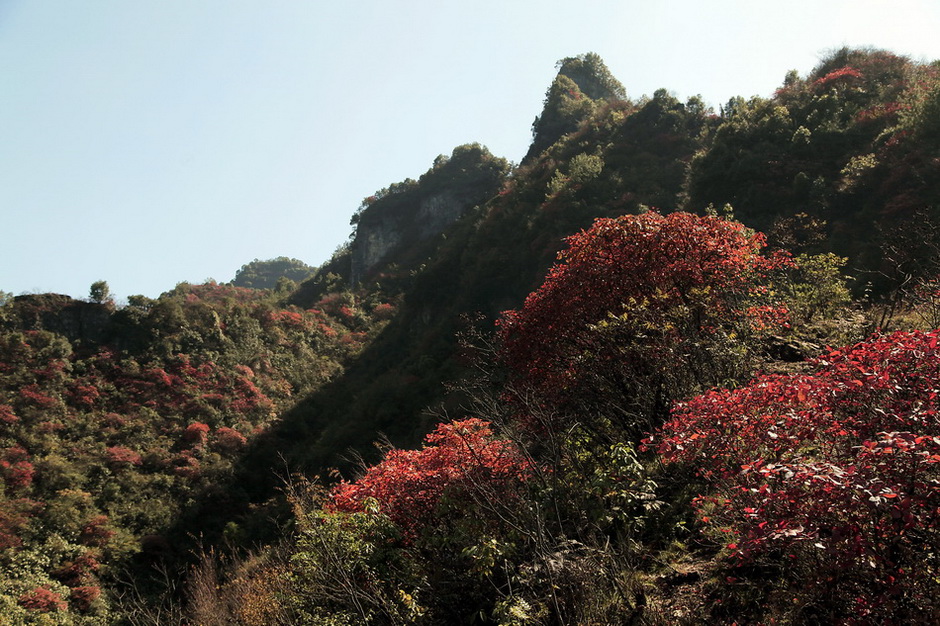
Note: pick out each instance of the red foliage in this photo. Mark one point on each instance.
(672, 278)
(288, 319)
(114, 420)
(841, 466)
(384, 311)
(196, 434)
(43, 600)
(215, 293)
(81, 571)
(121, 456)
(84, 395)
(334, 303)
(82, 597)
(229, 439)
(7, 416)
(409, 484)
(880, 112)
(247, 396)
(187, 466)
(95, 532)
(15, 468)
(843, 73)
(159, 376)
(31, 393)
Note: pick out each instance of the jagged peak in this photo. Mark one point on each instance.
(581, 82)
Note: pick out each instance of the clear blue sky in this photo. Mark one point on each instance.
(148, 143)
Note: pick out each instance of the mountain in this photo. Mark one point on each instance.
(125, 432)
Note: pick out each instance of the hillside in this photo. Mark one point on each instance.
(575, 341)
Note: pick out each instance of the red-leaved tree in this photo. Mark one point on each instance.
(639, 310)
(43, 600)
(838, 470)
(458, 459)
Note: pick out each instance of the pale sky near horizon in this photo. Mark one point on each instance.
(149, 143)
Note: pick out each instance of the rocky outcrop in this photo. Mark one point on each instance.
(78, 321)
(398, 221)
(377, 238)
(373, 242)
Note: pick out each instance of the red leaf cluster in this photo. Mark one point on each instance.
(843, 73)
(96, 532)
(83, 597)
(383, 311)
(843, 463)
(15, 467)
(229, 440)
(196, 434)
(456, 458)
(43, 600)
(7, 416)
(121, 456)
(674, 276)
(31, 393)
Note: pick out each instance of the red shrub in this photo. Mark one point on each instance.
(409, 484)
(32, 394)
(43, 600)
(637, 296)
(79, 572)
(121, 456)
(95, 532)
(7, 416)
(196, 434)
(843, 74)
(84, 395)
(114, 420)
(15, 468)
(187, 466)
(82, 597)
(384, 311)
(840, 468)
(229, 439)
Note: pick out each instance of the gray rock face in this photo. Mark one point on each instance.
(399, 221)
(440, 211)
(379, 236)
(373, 242)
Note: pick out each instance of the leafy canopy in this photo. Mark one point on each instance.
(839, 469)
(408, 484)
(632, 301)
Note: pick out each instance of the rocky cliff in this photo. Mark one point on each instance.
(397, 221)
(78, 321)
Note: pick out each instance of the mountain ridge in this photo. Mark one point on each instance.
(204, 401)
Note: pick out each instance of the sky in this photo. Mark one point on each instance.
(151, 143)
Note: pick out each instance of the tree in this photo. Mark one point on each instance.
(266, 274)
(100, 292)
(836, 471)
(458, 458)
(641, 309)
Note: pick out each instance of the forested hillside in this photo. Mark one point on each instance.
(677, 366)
